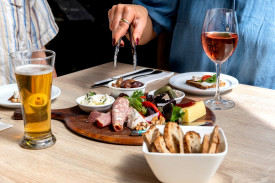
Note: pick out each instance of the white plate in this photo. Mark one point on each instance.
(179, 81)
(6, 91)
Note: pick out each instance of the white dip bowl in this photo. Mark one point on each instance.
(129, 91)
(90, 108)
(188, 167)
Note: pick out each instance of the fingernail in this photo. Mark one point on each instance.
(114, 42)
(137, 41)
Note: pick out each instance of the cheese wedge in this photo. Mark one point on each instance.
(193, 112)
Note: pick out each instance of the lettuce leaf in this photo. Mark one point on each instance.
(176, 114)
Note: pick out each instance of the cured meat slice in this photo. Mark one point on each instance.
(104, 119)
(93, 115)
(119, 113)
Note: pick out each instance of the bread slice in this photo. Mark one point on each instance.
(199, 85)
(160, 145)
(14, 100)
(214, 141)
(192, 142)
(149, 137)
(173, 137)
(205, 144)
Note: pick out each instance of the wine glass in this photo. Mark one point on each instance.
(219, 39)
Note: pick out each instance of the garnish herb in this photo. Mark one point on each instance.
(88, 95)
(136, 102)
(176, 114)
(137, 93)
(211, 79)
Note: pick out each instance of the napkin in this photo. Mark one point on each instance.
(4, 126)
(154, 77)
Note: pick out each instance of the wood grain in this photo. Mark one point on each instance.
(75, 120)
(249, 128)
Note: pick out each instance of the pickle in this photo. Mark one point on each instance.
(172, 94)
(164, 89)
(168, 90)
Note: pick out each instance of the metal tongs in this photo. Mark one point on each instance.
(130, 32)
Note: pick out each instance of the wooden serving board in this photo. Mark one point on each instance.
(75, 119)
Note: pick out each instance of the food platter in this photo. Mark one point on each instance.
(75, 120)
(6, 91)
(179, 81)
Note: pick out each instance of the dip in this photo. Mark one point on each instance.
(92, 98)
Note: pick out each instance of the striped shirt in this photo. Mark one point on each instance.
(24, 25)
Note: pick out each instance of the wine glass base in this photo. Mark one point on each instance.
(28, 143)
(219, 104)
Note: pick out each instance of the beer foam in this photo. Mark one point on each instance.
(33, 69)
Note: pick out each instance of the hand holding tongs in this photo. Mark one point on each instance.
(130, 32)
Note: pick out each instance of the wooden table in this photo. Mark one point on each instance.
(249, 127)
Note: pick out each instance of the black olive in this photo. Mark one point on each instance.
(136, 84)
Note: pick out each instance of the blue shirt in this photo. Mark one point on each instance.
(253, 61)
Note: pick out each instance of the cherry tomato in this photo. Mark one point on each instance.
(205, 77)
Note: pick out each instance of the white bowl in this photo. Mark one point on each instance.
(129, 91)
(90, 108)
(178, 99)
(186, 168)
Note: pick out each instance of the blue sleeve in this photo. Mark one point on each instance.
(162, 12)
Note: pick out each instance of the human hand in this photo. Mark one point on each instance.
(136, 15)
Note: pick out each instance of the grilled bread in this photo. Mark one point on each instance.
(173, 137)
(149, 137)
(192, 142)
(214, 141)
(205, 144)
(173, 140)
(201, 86)
(15, 97)
(160, 145)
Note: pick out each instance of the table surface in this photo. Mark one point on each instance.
(249, 128)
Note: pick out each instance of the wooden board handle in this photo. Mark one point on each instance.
(55, 114)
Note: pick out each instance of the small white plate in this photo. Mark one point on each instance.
(6, 91)
(179, 81)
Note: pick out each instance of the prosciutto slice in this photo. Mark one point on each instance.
(104, 119)
(93, 115)
(119, 113)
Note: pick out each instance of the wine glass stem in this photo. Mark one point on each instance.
(217, 96)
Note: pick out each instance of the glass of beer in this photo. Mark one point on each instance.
(33, 71)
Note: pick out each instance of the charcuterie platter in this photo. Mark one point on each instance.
(75, 120)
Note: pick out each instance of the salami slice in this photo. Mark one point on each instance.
(119, 113)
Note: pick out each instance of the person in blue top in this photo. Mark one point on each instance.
(253, 61)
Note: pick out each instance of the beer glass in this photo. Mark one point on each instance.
(33, 71)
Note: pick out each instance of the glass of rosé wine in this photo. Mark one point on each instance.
(219, 39)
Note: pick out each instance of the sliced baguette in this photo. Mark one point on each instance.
(214, 141)
(173, 137)
(192, 142)
(149, 137)
(160, 145)
(199, 85)
(205, 144)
